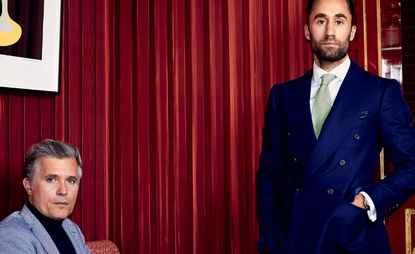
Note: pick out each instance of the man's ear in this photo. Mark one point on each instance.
(307, 32)
(27, 186)
(353, 33)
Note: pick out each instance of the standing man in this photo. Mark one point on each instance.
(322, 137)
(52, 172)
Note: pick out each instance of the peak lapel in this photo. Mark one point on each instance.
(348, 106)
(297, 103)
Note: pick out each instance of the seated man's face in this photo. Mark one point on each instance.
(54, 188)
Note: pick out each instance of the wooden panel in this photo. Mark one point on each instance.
(396, 222)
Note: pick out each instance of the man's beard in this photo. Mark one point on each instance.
(329, 53)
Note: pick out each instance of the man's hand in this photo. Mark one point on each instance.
(359, 201)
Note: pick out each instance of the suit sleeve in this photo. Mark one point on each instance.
(13, 242)
(269, 177)
(398, 137)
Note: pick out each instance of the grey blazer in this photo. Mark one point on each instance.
(22, 233)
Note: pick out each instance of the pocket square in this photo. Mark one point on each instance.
(363, 115)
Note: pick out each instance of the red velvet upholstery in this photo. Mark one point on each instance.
(102, 247)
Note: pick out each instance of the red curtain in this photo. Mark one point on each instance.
(165, 100)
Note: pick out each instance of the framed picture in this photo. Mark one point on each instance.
(30, 44)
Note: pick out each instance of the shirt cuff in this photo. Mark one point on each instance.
(371, 213)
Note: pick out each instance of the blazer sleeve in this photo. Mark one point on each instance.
(15, 246)
(398, 137)
(15, 239)
(269, 177)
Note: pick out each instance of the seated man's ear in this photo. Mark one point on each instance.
(27, 186)
(307, 33)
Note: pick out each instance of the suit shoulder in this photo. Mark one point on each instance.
(14, 224)
(16, 236)
(368, 77)
(305, 79)
(297, 81)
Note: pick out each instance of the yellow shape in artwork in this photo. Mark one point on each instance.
(10, 31)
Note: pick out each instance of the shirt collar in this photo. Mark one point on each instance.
(340, 71)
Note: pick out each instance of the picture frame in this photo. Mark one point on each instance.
(32, 62)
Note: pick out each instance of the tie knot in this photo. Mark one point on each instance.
(327, 78)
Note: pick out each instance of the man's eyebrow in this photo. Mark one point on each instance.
(56, 176)
(341, 15)
(322, 15)
(51, 175)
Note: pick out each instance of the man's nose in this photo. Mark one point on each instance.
(330, 29)
(62, 189)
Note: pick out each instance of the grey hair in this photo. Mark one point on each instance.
(50, 148)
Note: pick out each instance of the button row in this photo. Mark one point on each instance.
(329, 191)
(341, 162)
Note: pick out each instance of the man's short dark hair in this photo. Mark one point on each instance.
(350, 4)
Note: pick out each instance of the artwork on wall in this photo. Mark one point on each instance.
(30, 44)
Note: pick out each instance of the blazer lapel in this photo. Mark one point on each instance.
(39, 231)
(297, 103)
(350, 102)
(73, 235)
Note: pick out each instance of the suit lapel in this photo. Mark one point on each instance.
(297, 103)
(348, 105)
(39, 231)
(72, 233)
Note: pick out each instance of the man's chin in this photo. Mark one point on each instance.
(330, 55)
(329, 51)
(332, 59)
(60, 215)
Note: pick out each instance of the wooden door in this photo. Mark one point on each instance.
(378, 49)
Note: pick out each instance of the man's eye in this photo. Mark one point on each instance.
(339, 22)
(50, 179)
(72, 181)
(320, 21)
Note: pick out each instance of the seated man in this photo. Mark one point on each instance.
(52, 174)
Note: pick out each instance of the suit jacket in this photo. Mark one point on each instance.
(305, 186)
(22, 233)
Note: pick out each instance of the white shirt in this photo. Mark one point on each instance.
(334, 86)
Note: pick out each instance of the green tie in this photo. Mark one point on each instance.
(322, 103)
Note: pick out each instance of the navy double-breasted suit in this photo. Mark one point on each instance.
(305, 186)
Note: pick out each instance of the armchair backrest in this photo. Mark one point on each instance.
(102, 246)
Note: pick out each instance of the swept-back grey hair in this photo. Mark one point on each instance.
(49, 148)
